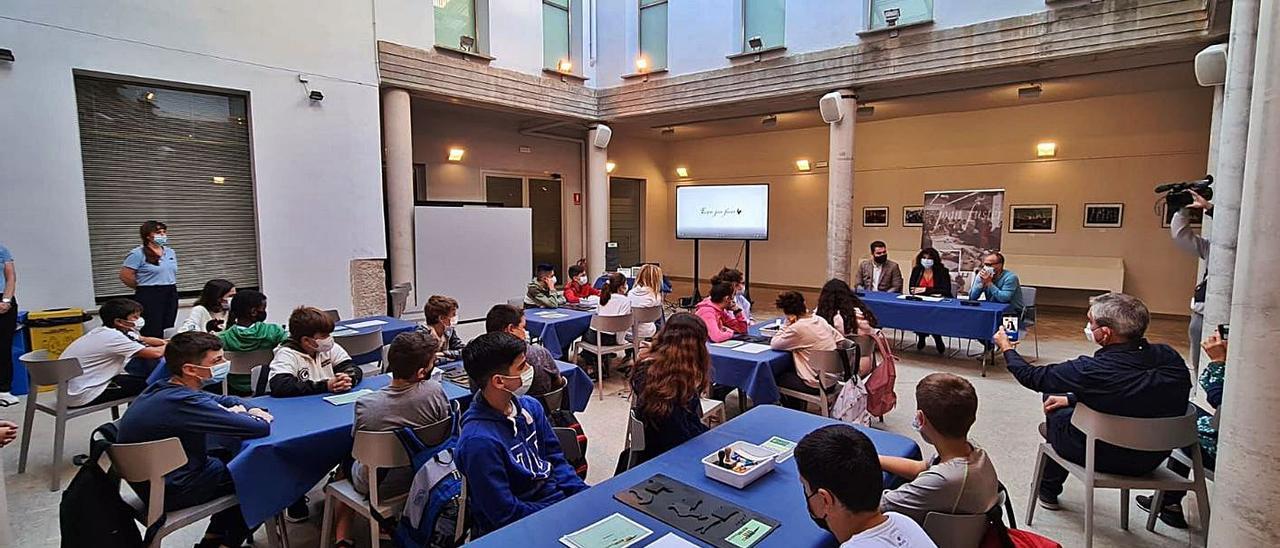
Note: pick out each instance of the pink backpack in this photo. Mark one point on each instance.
(881, 398)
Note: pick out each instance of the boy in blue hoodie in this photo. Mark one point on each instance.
(507, 450)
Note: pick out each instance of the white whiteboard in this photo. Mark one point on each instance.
(480, 256)
(722, 212)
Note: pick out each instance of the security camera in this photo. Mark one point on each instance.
(892, 15)
(755, 42)
(316, 95)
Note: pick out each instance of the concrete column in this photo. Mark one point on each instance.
(1206, 228)
(840, 191)
(597, 189)
(1229, 175)
(397, 143)
(1246, 492)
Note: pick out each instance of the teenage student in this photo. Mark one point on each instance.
(309, 362)
(507, 451)
(647, 293)
(579, 287)
(247, 331)
(930, 277)
(441, 314)
(734, 277)
(841, 477)
(209, 313)
(669, 382)
(960, 479)
(106, 350)
(413, 399)
(841, 307)
(543, 376)
(542, 292)
(802, 334)
(722, 316)
(151, 270)
(177, 408)
(613, 302)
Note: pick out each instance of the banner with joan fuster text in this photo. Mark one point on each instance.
(962, 225)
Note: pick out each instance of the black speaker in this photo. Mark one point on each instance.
(611, 256)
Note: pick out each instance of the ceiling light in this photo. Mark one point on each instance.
(1046, 149)
(668, 130)
(769, 121)
(219, 180)
(866, 111)
(1030, 92)
(608, 167)
(682, 172)
(564, 66)
(642, 64)
(803, 165)
(150, 96)
(455, 154)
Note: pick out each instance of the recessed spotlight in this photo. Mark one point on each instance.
(642, 64)
(769, 121)
(608, 167)
(455, 154)
(150, 96)
(682, 172)
(1030, 92)
(1046, 149)
(564, 66)
(803, 165)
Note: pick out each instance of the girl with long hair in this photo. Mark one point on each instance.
(840, 306)
(613, 302)
(647, 293)
(668, 384)
(209, 313)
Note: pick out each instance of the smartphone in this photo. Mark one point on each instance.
(1223, 329)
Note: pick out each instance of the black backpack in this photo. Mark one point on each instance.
(92, 514)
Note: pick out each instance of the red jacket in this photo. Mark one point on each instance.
(574, 292)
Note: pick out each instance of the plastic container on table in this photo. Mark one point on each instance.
(740, 479)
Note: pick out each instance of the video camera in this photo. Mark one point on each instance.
(1177, 195)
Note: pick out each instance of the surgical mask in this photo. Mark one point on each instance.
(582, 280)
(1088, 334)
(989, 269)
(926, 263)
(524, 385)
(820, 522)
(139, 323)
(554, 281)
(217, 372)
(160, 239)
(880, 259)
(916, 424)
(324, 345)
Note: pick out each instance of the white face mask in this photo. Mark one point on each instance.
(526, 378)
(553, 281)
(926, 263)
(139, 323)
(324, 345)
(989, 270)
(1088, 333)
(582, 279)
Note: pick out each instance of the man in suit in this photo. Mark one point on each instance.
(879, 273)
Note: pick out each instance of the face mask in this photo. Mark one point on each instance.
(880, 259)
(926, 263)
(160, 239)
(989, 269)
(526, 380)
(139, 323)
(915, 423)
(582, 280)
(226, 305)
(217, 372)
(520, 389)
(324, 345)
(820, 522)
(554, 281)
(1088, 334)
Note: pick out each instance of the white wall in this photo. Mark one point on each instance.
(317, 168)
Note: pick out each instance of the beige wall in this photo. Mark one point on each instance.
(1111, 149)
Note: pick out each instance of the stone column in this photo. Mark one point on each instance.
(1206, 228)
(1229, 175)
(1246, 492)
(397, 143)
(597, 190)
(840, 191)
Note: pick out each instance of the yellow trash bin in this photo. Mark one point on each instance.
(54, 329)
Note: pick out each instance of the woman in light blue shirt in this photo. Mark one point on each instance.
(8, 322)
(151, 269)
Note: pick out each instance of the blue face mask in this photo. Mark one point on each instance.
(160, 239)
(926, 263)
(218, 372)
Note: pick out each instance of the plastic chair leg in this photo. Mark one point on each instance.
(1202, 504)
(1124, 509)
(1088, 514)
(1157, 502)
(326, 521)
(28, 419)
(59, 437)
(1035, 483)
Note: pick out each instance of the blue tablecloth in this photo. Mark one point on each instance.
(308, 439)
(947, 317)
(578, 390)
(754, 374)
(391, 328)
(777, 495)
(557, 333)
(631, 282)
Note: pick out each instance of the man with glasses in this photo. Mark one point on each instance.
(999, 285)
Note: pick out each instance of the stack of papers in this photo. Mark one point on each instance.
(728, 344)
(366, 323)
(615, 531)
(349, 397)
(751, 348)
(344, 332)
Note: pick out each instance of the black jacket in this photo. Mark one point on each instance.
(1136, 379)
(941, 280)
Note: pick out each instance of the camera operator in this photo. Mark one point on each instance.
(1187, 240)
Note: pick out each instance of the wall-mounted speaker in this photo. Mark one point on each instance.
(1211, 65)
(603, 134)
(829, 106)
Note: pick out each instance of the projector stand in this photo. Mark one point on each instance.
(696, 295)
(746, 269)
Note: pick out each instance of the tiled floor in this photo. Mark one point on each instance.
(1006, 427)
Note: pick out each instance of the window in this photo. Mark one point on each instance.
(653, 35)
(879, 12)
(763, 18)
(178, 156)
(556, 35)
(456, 24)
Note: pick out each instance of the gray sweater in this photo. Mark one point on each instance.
(957, 486)
(391, 408)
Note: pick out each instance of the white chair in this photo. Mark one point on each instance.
(170, 332)
(149, 462)
(399, 300)
(378, 450)
(1027, 320)
(258, 377)
(1186, 459)
(635, 439)
(713, 412)
(1161, 434)
(955, 530)
(641, 315)
(554, 399)
(831, 366)
(242, 363)
(606, 324)
(361, 344)
(44, 370)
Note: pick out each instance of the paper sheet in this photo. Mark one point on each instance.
(729, 344)
(670, 540)
(342, 332)
(349, 397)
(366, 323)
(615, 531)
(752, 348)
(551, 315)
(784, 447)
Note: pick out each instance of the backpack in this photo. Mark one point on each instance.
(433, 513)
(91, 513)
(851, 404)
(881, 398)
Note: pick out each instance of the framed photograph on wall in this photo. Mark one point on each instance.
(1197, 216)
(913, 215)
(1103, 215)
(875, 216)
(1041, 219)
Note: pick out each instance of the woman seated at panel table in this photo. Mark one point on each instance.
(930, 277)
(802, 335)
(668, 384)
(836, 303)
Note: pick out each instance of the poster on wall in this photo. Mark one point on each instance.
(962, 225)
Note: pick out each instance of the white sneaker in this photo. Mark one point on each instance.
(7, 399)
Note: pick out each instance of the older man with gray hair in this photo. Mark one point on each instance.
(1127, 376)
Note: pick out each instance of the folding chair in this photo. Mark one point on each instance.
(606, 324)
(44, 370)
(1162, 434)
(554, 399)
(242, 363)
(149, 462)
(955, 530)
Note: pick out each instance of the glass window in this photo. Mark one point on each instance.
(555, 33)
(908, 11)
(653, 33)
(763, 18)
(455, 19)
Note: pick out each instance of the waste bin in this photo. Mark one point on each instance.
(54, 329)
